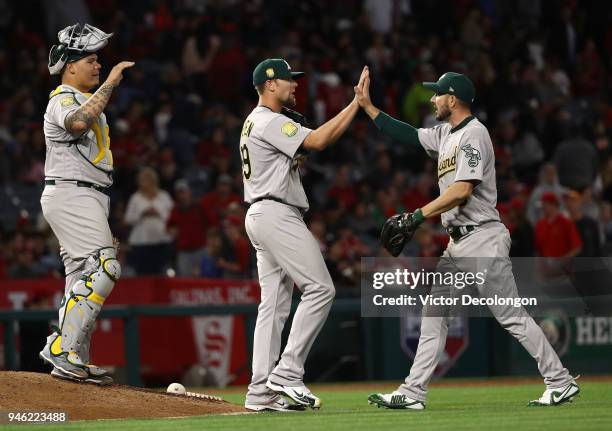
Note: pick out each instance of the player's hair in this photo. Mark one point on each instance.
(260, 88)
(463, 104)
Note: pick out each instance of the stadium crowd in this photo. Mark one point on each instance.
(542, 70)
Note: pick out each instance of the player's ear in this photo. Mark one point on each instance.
(271, 84)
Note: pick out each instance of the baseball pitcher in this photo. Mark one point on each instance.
(272, 138)
(468, 196)
(78, 172)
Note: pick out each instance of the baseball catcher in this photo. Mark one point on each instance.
(75, 202)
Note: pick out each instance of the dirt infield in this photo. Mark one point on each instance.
(22, 391)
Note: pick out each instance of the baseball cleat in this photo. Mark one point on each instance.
(300, 394)
(554, 397)
(100, 381)
(95, 371)
(395, 400)
(62, 362)
(278, 404)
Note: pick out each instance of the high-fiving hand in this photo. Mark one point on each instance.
(360, 85)
(362, 90)
(362, 94)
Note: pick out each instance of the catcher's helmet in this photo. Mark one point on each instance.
(75, 42)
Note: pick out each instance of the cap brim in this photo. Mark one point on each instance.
(433, 86)
(295, 75)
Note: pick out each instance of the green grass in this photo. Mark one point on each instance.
(449, 408)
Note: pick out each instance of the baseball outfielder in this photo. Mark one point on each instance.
(78, 172)
(272, 139)
(468, 195)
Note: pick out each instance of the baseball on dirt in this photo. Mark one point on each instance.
(176, 388)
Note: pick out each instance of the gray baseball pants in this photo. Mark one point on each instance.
(287, 253)
(78, 217)
(491, 242)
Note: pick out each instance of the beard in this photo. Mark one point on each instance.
(290, 101)
(443, 113)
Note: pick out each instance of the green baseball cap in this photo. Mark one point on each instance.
(453, 83)
(274, 68)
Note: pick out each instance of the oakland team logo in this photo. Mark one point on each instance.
(472, 154)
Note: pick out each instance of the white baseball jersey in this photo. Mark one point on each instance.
(69, 157)
(464, 153)
(268, 145)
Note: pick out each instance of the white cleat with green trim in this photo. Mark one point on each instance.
(300, 394)
(395, 400)
(554, 397)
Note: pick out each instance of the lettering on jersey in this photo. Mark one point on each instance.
(246, 128)
(447, 164)
(289, 129)
(67, 101)
(472, 154)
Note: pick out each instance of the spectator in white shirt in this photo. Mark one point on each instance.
(147, 212)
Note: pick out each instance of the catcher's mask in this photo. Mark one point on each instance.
(75, 42)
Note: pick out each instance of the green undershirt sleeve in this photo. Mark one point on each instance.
(396, 129)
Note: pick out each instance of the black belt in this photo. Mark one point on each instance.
(269, 198)
(458, 232)
(275, 199)
(78, 184)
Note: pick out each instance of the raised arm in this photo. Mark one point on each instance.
(398, 130)
(329, 132)
(81, 120)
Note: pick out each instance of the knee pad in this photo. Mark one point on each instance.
(104, 271)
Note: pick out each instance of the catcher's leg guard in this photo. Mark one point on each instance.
(52, 352)
(84, 347)
(86, 300)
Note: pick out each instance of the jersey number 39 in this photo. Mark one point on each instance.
(246, 162)
(244, 150)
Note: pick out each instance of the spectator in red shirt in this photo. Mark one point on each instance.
(215, 203)
(587, 228)
(235, 259)
(555, 234)
(186, 226)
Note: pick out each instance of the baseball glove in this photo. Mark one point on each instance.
(398, 230)
(295, 116)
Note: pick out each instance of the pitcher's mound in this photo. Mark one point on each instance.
(22, 391)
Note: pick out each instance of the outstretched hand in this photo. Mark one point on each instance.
(362, 94)
(358, 88)
(362, 90)
(116, 74)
